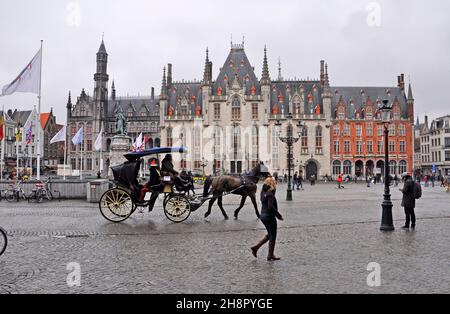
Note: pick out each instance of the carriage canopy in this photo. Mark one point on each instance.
(155, 151)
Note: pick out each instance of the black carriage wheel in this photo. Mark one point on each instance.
(116, 205)
(177, 208)
(3, 241)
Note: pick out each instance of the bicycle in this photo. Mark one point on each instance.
(41, 192)
(3, 241)
(15, 193)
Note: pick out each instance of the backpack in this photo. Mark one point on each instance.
(417, 191)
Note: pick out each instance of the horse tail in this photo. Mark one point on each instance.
(207, 185)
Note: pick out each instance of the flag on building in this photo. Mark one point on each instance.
(98, 141)
(28, 80)
(60, 136)
(2, 126)
(78, 138)
(29, 134)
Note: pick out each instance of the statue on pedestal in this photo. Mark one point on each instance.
(121, 122)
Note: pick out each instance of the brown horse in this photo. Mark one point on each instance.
(226, 184)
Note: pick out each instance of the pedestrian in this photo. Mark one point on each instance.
(368, 181)
(442, 181)
(425, 180)
(313, 179)
(409, 200)
(433, 178)
(339, 181)
(295, 180)
(269, 216)
(300, 181)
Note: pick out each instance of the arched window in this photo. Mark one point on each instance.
(236, 109)
(318, 136)
(336, 167)
(402, 166)
(130, 112)
(305, 140)
(393, 167)
(347, 167)
(169, 137)
(157, 142)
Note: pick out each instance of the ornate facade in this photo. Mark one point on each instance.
(97, 112)
(235, 120)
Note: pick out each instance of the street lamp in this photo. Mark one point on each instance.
(290, 140)
(386, 218)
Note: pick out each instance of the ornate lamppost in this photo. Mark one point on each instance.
(387, 223)
(290, 140)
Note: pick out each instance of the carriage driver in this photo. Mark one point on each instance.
(167, 168)
(154, 183)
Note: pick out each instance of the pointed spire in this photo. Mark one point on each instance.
(265, 79)
(417, 121)
(280, 78)
(102, 48)
(410, 94)
(206, 74)
(326, 79)
(164, 86)
(69, 101)
(113, 91)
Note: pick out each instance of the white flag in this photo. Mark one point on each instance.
(138, 144)
(60, 136)
(28, 80)
(78, 138)
(98, 141)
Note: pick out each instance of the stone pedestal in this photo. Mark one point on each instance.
(120, 145)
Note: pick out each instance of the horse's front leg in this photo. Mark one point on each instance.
(253, 198)
(236, 212)
(221, 207)
(211, 203)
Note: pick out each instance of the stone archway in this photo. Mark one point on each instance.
(370, 168)
(359, 168)
(311, 169)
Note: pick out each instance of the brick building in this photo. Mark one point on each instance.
(357, 136)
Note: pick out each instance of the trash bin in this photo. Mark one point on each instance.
(95, 190)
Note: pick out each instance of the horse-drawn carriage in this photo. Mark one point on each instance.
(120, 202)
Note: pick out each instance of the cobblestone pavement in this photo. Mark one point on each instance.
(326, 242)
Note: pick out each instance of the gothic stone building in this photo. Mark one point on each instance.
(232, 122)
(97, 112)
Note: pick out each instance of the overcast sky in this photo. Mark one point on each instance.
(366, 43)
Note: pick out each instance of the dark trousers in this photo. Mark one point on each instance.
(410, 217)
(152, 201)
(270, 223)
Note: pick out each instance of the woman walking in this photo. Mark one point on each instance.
(269, 216)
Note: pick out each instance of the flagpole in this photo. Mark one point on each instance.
(81, 161)
(65, 153)
(3, 143)
(39, 117)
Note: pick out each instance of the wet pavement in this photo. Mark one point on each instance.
(326, 242)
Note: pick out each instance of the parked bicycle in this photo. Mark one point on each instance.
(3, 240)
(41, 191)
(15, 193)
